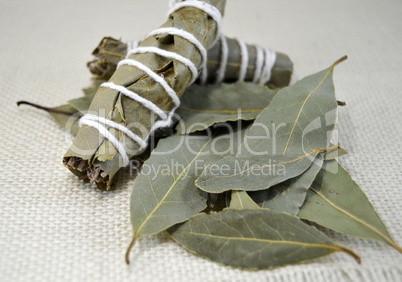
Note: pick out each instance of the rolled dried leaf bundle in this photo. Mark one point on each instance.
(143, 92)
(223, 64)
(262, 65)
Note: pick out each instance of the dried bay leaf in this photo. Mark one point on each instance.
(253, 239)
(335, 201)
(68, 115)
(160, 200)
(241, 200)
(69, 122)
(164, 193)
(297, 124)
(82, 104)
(253, 173)
(203, 106)
(288, 196)
(304, 115)
(91, 90)
(107, 55)
(65, 115)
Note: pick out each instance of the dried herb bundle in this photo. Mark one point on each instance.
(110, 51)
(94, 158)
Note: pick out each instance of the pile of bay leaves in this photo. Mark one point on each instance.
(247, 175)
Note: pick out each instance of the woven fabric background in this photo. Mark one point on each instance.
(54, 228)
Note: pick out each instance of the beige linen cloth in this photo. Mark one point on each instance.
(54, 228)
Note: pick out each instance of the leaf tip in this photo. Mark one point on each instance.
(130, 247)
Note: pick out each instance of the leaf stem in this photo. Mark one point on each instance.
(329, 149)
(132, 243)
(47, 109)
(337, 62)
(351, 253)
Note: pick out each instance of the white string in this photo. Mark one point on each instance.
(270, 58)
(132, 48)
(263, 63)
(224, 60)
(146, 103)
(191, 38)
(105, 133)
(169, 55)
(211, 10)
(153, 75)
(115, 125)
(259, 61)
(163, 123)
(244, 59)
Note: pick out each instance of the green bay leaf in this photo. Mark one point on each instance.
(82, 103)
(335, 201)
(161, 199)
(65, 115)
(164, 193)
(241, 200)
(288, 196)
(300, 117)
(297, 123)
(68, 115)
(253, 173)
(91, 90)
(253, 238)
(203, 106)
